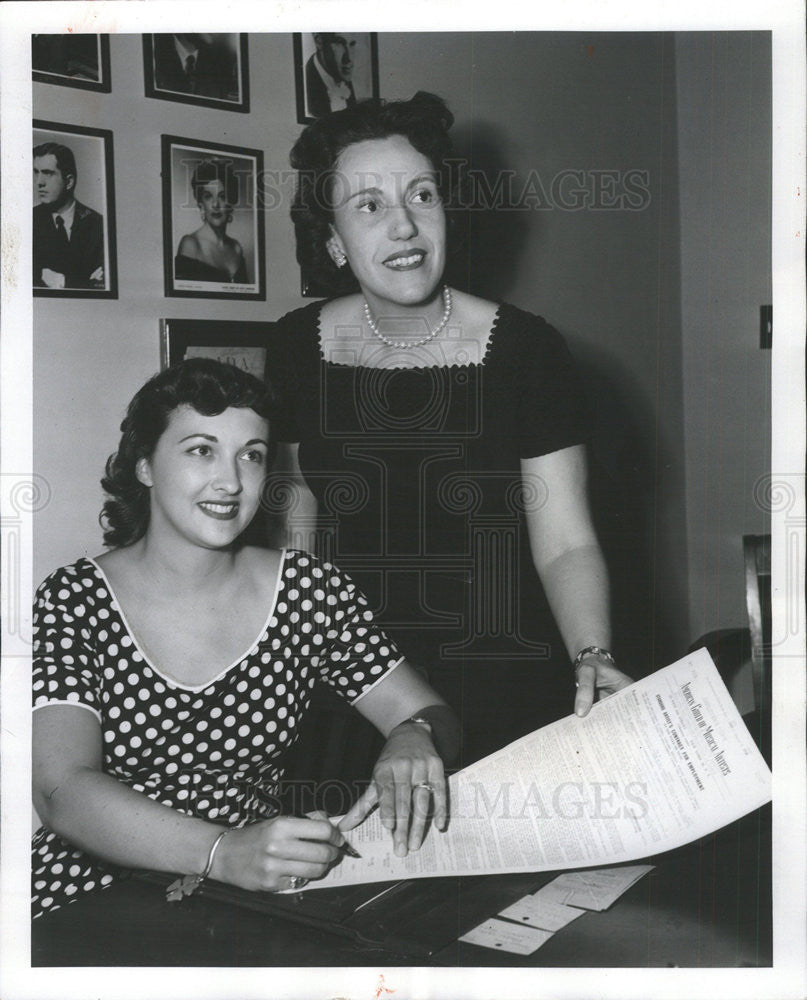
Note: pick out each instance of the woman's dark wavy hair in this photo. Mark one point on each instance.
(215, 170)
(210, 387)
(424, 120)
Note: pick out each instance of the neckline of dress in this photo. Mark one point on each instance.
(168, 678)
(405, 368)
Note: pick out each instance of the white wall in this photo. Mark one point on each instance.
(724, 147)
(611, 281)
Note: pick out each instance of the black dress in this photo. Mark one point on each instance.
(417, 475)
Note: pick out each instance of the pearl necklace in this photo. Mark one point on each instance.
(411, 343)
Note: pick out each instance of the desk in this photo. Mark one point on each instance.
(705, 905)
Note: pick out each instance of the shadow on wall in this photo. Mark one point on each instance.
(624, 459)
(624, 454)
(489, 237)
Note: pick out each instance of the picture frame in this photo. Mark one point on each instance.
(351, 58)
(74, 60)
(196, 265)
(233, 342)
(82, 262)
(217, 78)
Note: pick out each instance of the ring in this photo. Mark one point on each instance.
(424, 784)
(297, 881)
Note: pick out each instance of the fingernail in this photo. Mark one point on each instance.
(400, 850)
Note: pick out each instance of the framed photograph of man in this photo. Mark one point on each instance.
(333, 70)
(74, 60)
(210, 71)
(213, 231)
(234, 343)
(74, 253)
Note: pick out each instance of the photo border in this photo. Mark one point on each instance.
(204, 146)
(151, 89)
(111, 291)
(103, 86)
(299, 76)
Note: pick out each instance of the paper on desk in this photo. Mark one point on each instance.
(539, 911)
(655, 766)
(594, 889)
(507, 937)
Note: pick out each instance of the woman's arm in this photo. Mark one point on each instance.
(570, 563)
(413, 755)
(102, 815)
(295, 504)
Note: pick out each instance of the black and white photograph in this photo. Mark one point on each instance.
(73, 212)
(213, 228)
(333, 70)
(210, 70)
(74, 60)
(403, 567)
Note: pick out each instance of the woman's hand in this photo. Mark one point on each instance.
(597, 677)
(266, 855)
(407, 776)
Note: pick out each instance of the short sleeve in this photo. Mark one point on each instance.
(65, 667)
(358, 653)
(280, 376)
(551, 407)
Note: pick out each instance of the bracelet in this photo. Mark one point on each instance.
(419, 720)
(606, 654)
(185, 885)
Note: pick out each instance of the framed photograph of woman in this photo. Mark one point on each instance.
(213, 231)
(74, 253)
(74, 60)
(333, 70)
(210, 71)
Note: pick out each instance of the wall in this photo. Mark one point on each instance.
(724, 113)
(608, 279)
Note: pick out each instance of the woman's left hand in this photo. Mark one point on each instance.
(407, 777)
(597, 678)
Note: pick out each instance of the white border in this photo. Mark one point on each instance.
(786, 19)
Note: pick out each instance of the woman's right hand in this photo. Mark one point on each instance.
(265, 855)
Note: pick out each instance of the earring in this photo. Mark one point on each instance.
(337, 255)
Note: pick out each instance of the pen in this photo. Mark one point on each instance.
(349, 849)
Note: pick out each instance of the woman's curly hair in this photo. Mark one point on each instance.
(215, 169)
(210, 387)
(424, 120)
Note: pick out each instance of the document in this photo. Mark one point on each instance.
(593, 889)
(655, 766)
(507, 937)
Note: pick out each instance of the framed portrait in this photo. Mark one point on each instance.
(74, 253)
(210, 71)
(213, 231)
(332, 70)
(234, 343)
(74, 60)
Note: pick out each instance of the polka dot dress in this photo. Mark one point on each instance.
(214, 751)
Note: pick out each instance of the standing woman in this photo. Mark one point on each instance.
(208, 253)
(436, 437)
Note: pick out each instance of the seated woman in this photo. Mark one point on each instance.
(208, 253)
(171, 673)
